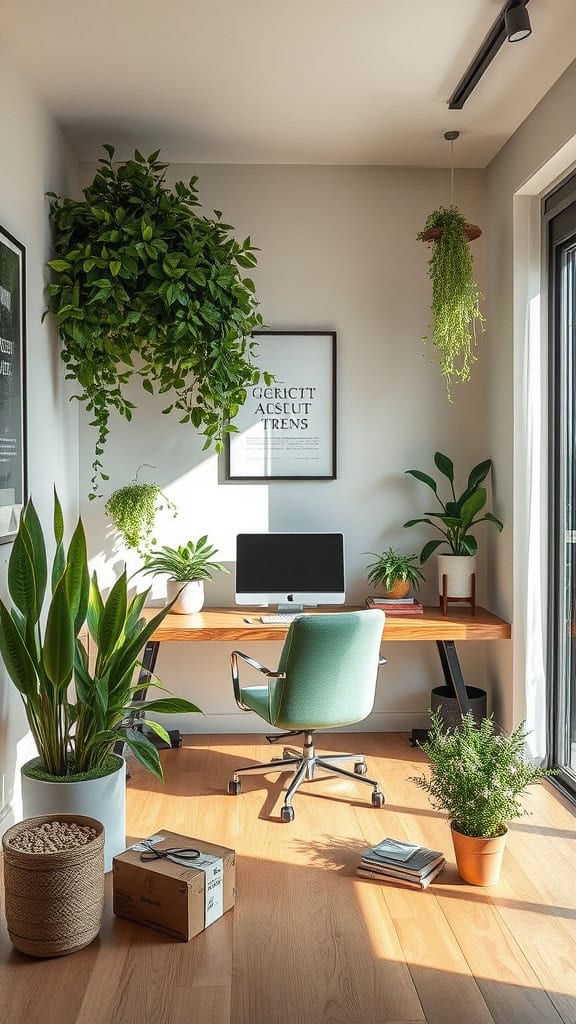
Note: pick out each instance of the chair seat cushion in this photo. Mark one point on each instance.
(256, 697)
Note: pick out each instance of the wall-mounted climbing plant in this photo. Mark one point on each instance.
(143, 284)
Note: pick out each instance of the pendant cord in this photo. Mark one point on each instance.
(451, 172)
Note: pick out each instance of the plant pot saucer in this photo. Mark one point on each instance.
(472, 231)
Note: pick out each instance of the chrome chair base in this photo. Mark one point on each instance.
(303, 765)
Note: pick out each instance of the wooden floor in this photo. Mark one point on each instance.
(308, 942)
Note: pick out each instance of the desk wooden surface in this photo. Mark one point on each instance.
(229, 624)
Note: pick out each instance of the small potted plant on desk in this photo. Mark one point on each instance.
(186, 566)
(478, 777)
(395, 572)
(77, 708)
(458, 515)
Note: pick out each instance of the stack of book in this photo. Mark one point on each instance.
(395, 606)
(401, 864)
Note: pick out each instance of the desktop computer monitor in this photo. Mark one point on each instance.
(290, 569)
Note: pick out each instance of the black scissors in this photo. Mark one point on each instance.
(153, 853)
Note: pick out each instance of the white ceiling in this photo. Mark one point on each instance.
(284, 81)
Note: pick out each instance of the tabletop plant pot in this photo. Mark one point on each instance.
(53, 900)
(102, 798)
(458, 570)
(188, 597)
(479, 861)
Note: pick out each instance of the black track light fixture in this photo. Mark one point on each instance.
(512, 24)
(517, 21)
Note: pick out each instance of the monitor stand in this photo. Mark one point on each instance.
(290, 609)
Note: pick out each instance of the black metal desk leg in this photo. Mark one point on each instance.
(453, 673)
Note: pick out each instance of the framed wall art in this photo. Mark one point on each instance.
(12, 384)
(286, 430)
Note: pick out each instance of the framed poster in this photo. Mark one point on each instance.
(12, 384)
(287, 429)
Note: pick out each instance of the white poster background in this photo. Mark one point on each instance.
(286, 428)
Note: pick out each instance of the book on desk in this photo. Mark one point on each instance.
(406, 606)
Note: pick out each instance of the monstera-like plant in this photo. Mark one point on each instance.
(144, 284)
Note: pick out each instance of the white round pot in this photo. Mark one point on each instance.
(458, 570)
(189, 596)
(103, 799)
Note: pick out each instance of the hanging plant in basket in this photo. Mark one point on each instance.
(133, 511)
(143, 284)
(456, 312)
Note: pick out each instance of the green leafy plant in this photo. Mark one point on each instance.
(455, 295)
(392, 566)
(76, 714)
(145, 285)
(191, 561)
(459, 514)
(477, 775)
(133, 511)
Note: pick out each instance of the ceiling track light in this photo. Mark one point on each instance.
(512, 24)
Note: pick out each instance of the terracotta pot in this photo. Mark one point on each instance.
(479, 861)
(399, 589)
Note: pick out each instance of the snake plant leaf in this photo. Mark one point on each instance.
(158, 729)
(38, 551)
(21, 579)
(77, 577)
(167, 706)
(113, 617)
(95, 608)
(445, 465)
(58, 520)
(17, 660)
(58, 650)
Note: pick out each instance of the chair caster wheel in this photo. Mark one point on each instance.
(234, 787)
(360, 768)
(287, 814)
(378, 799)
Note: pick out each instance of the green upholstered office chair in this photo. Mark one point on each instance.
(326, 678)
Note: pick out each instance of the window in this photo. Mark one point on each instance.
(560, 218)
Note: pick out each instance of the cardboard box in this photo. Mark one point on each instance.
(175, 898)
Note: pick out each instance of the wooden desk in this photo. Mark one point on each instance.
(230, 624)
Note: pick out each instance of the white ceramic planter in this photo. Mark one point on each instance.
(103, 799)
(458, 570)
(190, 596)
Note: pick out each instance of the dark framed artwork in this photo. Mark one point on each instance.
(13, 483)
(287, 429)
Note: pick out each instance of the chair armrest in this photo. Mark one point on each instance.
(269, 673)
(382, 661)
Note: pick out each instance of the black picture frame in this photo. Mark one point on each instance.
(13, 411)
(327, 436)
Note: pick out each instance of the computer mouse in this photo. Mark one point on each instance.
(250, 621)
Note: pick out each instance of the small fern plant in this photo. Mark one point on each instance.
(392, 566)
(456, 312)
(477, 775)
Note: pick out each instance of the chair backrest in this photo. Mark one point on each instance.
(330, 664)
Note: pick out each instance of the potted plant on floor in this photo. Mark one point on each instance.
(458, 516)
(395, 573)
(77, 709)
(186, 566)
(478, 776)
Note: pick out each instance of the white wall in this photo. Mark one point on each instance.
(338, 251)
(541, 141)
(33, 160)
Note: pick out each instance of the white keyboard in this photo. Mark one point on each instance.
(279, 619)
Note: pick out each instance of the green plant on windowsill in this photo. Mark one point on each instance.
(144, 285)
(76, 713)
(395, 572)
(455, 296)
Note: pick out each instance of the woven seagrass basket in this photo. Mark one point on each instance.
(54, 901)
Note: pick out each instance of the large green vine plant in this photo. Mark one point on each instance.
(143, 284)
(455, 296)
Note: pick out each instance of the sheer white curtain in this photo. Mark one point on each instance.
(530, 477)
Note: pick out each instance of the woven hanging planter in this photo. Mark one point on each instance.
(472, 232)
(53, 901)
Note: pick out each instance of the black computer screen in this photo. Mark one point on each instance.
(269, 563)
